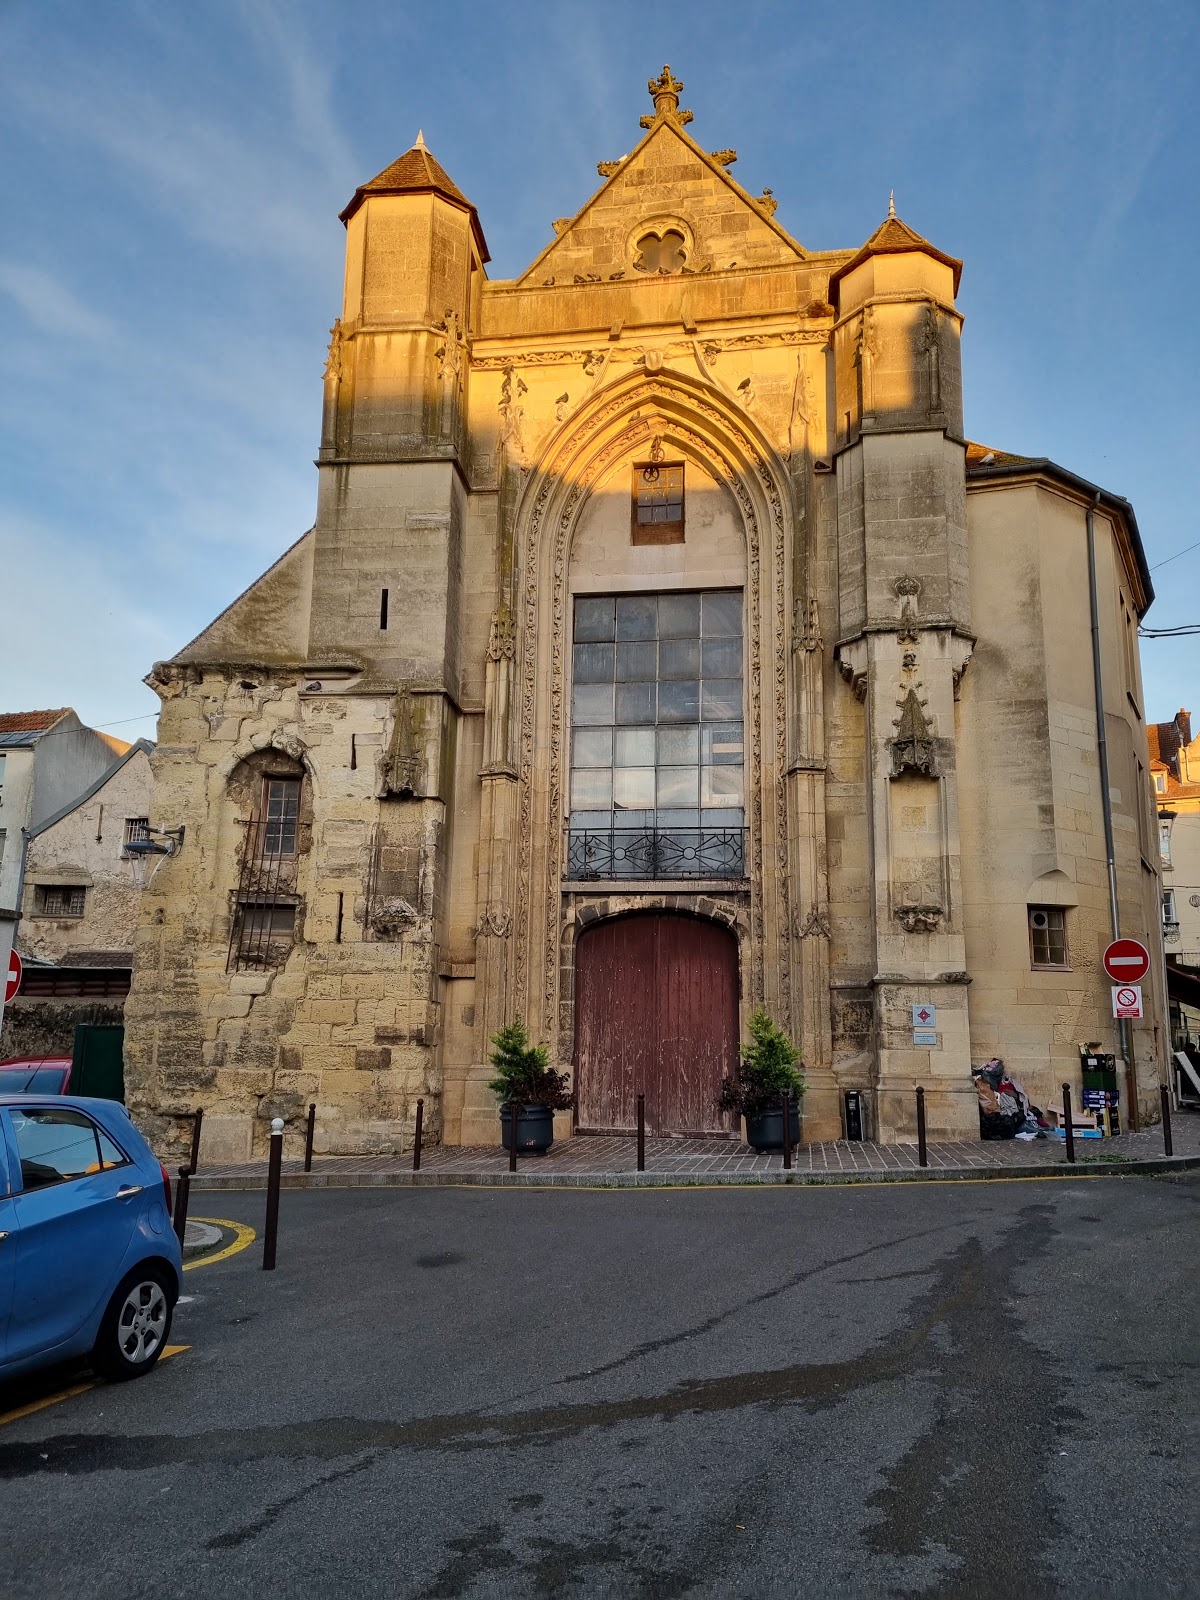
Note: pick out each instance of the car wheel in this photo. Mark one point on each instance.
(135, 1326)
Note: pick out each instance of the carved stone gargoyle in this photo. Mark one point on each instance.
(913, 745)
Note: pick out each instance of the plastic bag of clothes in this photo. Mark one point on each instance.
(1005, 1111)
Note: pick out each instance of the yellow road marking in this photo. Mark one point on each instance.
(76, 1388)
(50, 1400)
(245, 1236)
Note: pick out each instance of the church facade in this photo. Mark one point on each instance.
(662, 650)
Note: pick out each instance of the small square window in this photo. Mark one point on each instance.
(59, 900)
(137, 831)
(657, 503)
(1047, 936)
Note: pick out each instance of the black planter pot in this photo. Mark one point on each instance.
(764, 1130)
(535, 1129)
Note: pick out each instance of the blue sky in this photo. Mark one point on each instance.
(171, 258)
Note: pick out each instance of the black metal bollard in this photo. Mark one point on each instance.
(194, 1158)
(274, 1168)
(641, 1133)
(786, 1100)
(513, 1109)
(182, 1192)
(308, 1137)
(922, 1149)
(417, 1135)
(1165, 1097)
(1070, 1131)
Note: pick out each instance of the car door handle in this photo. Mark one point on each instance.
(127, 1190)
(3, 1236)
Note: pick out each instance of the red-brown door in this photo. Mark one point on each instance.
(656, 1013)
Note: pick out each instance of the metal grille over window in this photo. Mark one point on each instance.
(137, 831)
(657, 743)
(1047, 936)
(60, 900)
(657, 503)
(264, 919)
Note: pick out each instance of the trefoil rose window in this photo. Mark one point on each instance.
(657, 503)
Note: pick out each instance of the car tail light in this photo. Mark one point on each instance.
(166, 1177)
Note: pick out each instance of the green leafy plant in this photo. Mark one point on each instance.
(769, 1069)
(523, 1073)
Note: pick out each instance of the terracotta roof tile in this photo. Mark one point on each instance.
(979, 455)
(893, 237)
(30, 721)
(416, 172)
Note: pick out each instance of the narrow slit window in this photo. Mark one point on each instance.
(383, 610)
(657, 503)
(281, 815)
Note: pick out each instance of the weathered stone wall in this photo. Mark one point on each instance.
(86, 847)
(47, 1027)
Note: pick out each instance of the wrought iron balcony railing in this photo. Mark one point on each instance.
(599, 854)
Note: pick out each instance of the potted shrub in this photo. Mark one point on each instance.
(768, 1071)
(523, 1076)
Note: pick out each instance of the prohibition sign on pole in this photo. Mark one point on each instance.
(1126, 961)
(13, 981)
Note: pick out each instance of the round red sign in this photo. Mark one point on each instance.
(1126, 961)
(13, 981)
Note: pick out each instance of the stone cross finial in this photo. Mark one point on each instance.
(665, 91)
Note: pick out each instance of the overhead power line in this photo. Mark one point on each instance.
(1167, 561)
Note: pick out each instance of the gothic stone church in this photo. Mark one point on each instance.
(662, 650)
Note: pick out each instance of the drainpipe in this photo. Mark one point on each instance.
(1106, 800)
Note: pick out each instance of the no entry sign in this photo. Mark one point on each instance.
(13, 981)
(1126, 961)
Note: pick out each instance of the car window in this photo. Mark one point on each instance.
(14, 1080)
(46, 1080)
(54, 1145)
(110, 1154)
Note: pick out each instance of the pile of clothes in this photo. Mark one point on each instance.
(1005, 1110)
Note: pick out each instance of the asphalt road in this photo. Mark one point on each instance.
(968, 1390)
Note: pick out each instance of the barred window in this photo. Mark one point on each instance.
(1047, 936)
(59, 900)
(137, 831)
(657, 503)
(262, 936)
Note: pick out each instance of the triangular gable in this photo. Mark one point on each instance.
(268, 622)
(666, 176)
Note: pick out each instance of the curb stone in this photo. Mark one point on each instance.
(1126, 1168)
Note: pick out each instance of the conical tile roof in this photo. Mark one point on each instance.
(417, 172)
(894, 237)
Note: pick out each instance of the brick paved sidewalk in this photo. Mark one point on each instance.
(613, 1161)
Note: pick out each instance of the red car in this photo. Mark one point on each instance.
(35, 1075)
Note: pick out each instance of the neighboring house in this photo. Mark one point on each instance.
(662, 650)
(1175, 774)
(79, 909)
(47, 759)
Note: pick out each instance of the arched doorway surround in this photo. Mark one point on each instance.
(656, 1013)
(699, 422)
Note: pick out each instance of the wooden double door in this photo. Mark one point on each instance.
(656, 1013)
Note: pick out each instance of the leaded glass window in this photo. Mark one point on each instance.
(657, 730)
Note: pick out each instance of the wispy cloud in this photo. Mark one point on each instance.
(49, 305)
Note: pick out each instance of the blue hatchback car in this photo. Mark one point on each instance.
(89, 1262)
